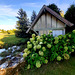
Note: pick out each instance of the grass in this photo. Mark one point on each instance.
(7, 40)
(66, 67)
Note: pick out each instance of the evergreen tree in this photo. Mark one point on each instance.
(70, 14)
(54, 7)
(22, 23)
(33, 16)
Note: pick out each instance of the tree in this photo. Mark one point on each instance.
(33, 16)
(70, 14)
(54, 7)
(22, 23)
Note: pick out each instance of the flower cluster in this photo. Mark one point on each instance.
(45, 48)
(73, 31)
(56, 40)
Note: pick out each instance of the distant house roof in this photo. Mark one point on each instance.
(45, 8)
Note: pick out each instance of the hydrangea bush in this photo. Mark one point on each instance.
(45, 48)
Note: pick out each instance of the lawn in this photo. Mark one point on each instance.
(66, 67)
(7, 40)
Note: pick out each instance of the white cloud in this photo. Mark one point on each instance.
(32, 4)
(7, 10)
(7, 27)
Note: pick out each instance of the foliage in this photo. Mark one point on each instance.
(54, 7)
(22, 23)
(45, 48)
(33, 16)
(70, 16)
(52, 68)
(7, 31)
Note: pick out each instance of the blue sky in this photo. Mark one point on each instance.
(9, 9)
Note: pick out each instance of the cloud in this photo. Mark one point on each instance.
(38, 5)
(7, 10)
(7, 27)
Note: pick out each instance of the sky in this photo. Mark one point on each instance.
(9, 9)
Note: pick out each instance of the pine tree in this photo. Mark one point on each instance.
(22, 23)
(33, 16)
(54, 7)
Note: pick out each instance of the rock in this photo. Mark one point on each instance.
(2, 50)
(2, 71)
(4, 65)
(8, 56)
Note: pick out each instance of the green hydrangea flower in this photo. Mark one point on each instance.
(41, 40)
(34, 43)
(38, 64)
(68, 40)
(25, 55)
(58, 58)
(37, 42)
(46, 61)
(38, 46)
(45, 42)
(29, 46)
(35, 47)
(69, 52)
(43, 48)
(49, 45)
(46, 39)
(72, 50)
(55, 42)
(25, 50)
(28, 67)
(66, 56)
(28, 42)
(64, 36)
(33, 35)
(50, 31)
(65, 48)
(41, 53)
(32, 39)
(56, 38)
(60, 36)
(28, 52)
(41, 43)
(73, 47)
(73, 31)
(69, 35)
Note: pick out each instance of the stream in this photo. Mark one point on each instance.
(13, 56)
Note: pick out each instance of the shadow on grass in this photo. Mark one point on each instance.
(11, 40)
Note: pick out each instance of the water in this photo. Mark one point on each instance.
(13, 60)
(1, 58)
(2, 50)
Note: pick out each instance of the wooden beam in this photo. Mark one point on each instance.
(49, 29)
(56, 22)
(51, 21)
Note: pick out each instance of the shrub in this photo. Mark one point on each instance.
(45, 48)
